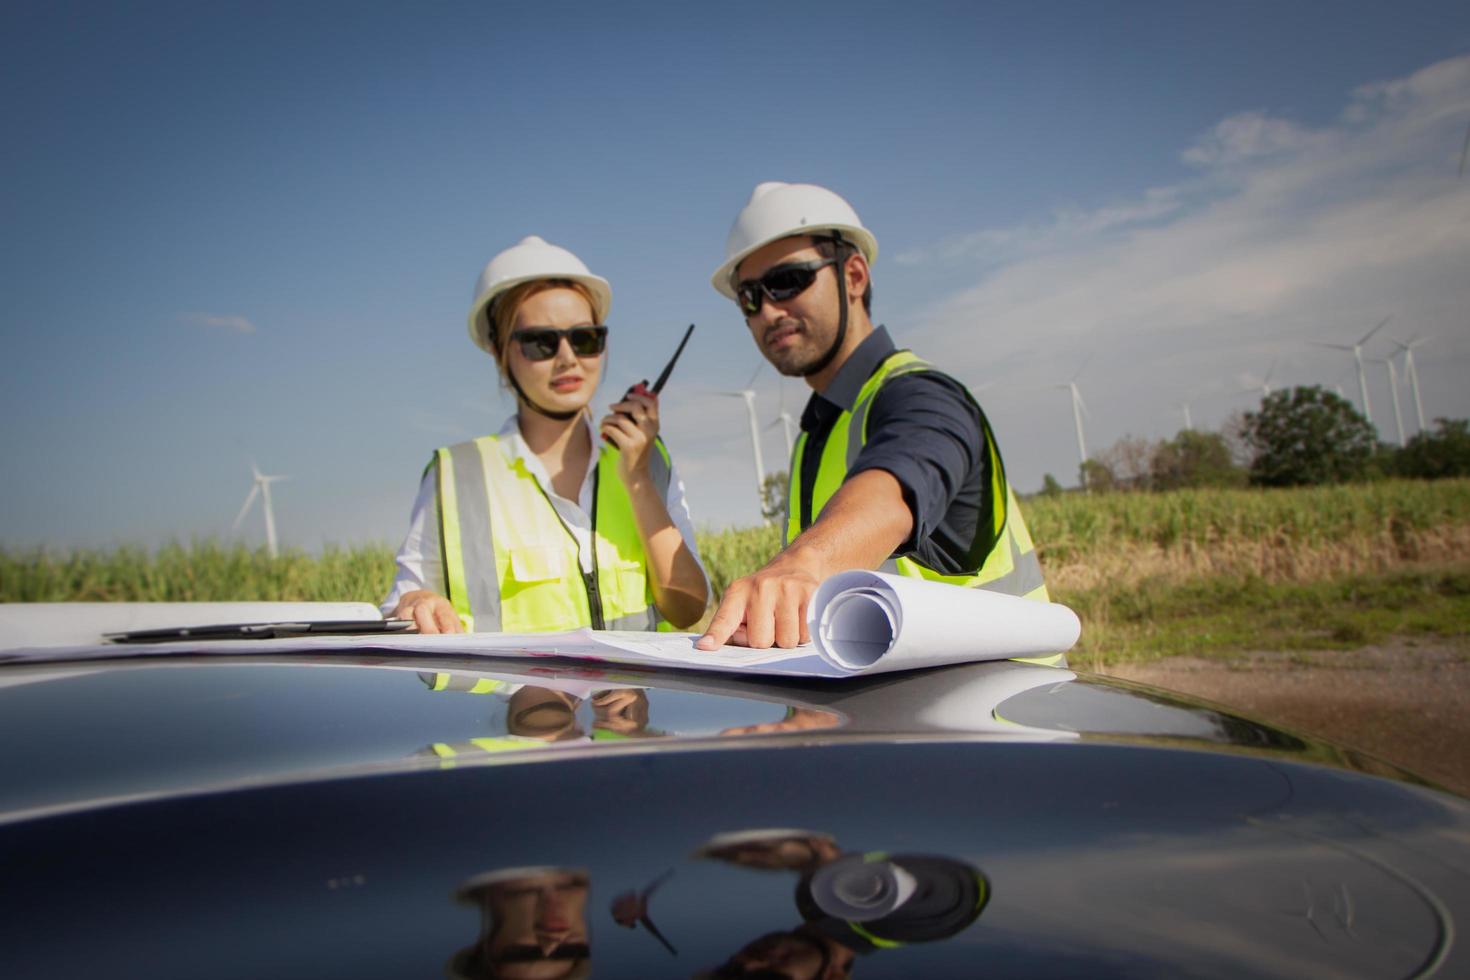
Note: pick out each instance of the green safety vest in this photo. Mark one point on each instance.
(1009, 564)
(510, 564)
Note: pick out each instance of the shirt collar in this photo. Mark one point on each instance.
(857, 369)
(513, 447)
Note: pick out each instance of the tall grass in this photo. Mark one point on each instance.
(201, 572)
(1097, 550)
(730, 554)
(1303, 534)
(1073, 526)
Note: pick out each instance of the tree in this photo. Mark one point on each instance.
(1049, 486)
(1194, 459)
(773, 496)
(1097, 475)
(1432, 455)
(1128, 461)
(1308, 435)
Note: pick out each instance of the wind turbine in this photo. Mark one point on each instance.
(787, 425)
(1357, 350)
(1266, 381)
(262, 488)
(1411, 375)
(1079, 407)
(748, 394)
(1188, 422)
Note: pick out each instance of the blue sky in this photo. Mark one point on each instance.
(251, 231)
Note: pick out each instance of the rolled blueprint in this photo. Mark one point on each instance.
(871, 621)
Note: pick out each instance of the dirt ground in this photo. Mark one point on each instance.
(1407, 704)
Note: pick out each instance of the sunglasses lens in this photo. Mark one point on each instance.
(784, 283)
(587, 341)
(749, 296)
(538, 345)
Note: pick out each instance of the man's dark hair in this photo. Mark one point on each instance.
(840, 249)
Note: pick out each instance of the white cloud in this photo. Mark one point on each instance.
(1066, 228)
(239, 324)
(1193, 293)
(1283, 234)
(1245, 136)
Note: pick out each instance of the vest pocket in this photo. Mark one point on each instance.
(633, 591)
(533, 564)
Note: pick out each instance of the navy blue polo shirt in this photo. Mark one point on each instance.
(926, 432)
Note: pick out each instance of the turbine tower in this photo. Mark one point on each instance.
(262, 488)
(1393, 387)
(1357, 350)
(1411, 375)
(787, 424)
(755, 440)
(1079, 408)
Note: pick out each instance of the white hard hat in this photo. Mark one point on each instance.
(531, 258)
(777, 210)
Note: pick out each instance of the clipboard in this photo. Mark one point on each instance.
(264, 631)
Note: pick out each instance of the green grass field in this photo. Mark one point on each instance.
(1203, 572)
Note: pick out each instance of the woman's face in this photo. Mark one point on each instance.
(564, 382)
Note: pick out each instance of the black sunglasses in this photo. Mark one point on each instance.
(780, 283)
(541, 343)
(526, 953)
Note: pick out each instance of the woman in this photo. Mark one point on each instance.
(549, 525)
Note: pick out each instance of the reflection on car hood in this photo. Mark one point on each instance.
(77, 734)
(367, 816)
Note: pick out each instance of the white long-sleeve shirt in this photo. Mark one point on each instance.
(418, 560)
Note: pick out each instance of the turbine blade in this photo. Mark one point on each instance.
(1381, 324)
(758, 369)
(249, 499)
(1465, 151)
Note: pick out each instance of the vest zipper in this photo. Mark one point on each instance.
(590, 580)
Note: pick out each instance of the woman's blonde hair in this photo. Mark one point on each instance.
(502, 313)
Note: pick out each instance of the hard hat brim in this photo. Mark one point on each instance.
(479, 321)
(724, 278)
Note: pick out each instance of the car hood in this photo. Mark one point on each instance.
(298, 816)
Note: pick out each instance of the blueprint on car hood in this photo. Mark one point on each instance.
(860, 622)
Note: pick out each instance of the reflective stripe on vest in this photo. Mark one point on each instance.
(463, 683)
(1010, 565)
(450, 753)
(511, 565)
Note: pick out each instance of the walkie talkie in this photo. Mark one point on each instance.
(642, 388)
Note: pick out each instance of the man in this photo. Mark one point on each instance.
(896, 466)
(533, 925)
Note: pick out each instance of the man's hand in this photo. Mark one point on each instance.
(859, 528)
(765, 608)
(430, 612)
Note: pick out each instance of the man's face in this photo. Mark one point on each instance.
(794, 333)
(539, 922)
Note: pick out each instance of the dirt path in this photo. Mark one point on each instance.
(1407, 704)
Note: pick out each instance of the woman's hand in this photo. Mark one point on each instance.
(430, 612)
(632, 428)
